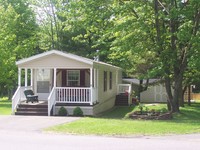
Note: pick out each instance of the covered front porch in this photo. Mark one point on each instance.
(57, 79)
(69, 86)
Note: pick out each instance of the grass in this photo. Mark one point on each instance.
(114, 123)
(5, 106)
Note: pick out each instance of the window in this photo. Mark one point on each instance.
(43, 80)
(110, 81)
(105, 81)
(73, 78)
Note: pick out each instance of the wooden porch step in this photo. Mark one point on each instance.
(32, 109)
(121, 100)
(31, 113)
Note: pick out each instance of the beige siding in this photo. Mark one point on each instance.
(52, 61)
(106, 99)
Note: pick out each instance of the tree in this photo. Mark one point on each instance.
(167, 30)
(17, 40)
(84, 27)
(50, 27)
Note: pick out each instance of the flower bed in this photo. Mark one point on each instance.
(151, 116)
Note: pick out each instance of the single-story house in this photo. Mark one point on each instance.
(68, 80)
(154, 93)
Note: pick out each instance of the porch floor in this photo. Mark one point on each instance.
(73, 104)
(41, 102)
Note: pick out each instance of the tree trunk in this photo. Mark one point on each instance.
(177, 91)
(181, 99)
(189, 95)
(169, 93)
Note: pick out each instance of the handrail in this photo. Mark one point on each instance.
(51, 100)
(125, 88)
(16, 99)
(18, 96)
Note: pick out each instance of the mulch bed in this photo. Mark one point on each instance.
(149, 116)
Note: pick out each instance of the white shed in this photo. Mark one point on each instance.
(155, 92)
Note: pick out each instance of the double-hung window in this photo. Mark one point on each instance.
(73, 78)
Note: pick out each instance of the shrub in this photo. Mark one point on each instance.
(163, 110)
(62, 111)
(77, 111)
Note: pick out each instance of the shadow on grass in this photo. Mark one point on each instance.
(188, 114)
(118, 112)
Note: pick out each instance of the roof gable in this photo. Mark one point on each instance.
(55, 58)
(55, 52)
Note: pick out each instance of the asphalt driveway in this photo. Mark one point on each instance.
(31, 123)
(24, 132)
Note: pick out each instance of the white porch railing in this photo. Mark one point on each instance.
(125, 89)
(18, 97)
(51, 101)
(68, 95)
(73, 95)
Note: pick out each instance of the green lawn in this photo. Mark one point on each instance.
(114, 123)
(5, 106)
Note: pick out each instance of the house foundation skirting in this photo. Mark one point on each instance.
(87, 110)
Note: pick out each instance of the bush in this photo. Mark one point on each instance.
(62, 111)
(163, 110)
(77, 111)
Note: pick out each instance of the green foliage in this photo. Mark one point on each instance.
(62, 111)
(17, 39)
(134, 35)
(77, 111)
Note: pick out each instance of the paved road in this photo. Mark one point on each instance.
(16, 136)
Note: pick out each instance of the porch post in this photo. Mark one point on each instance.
(91, 86)
(26, 83)
(95, 85)
(32, 78)
(54, 80)
(19, 76)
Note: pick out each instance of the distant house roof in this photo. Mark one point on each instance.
(137, 81)
(63, 54)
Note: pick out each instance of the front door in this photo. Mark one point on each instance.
(43, 83)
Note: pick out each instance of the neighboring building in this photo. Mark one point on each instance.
(155, 91)
(64, 79)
